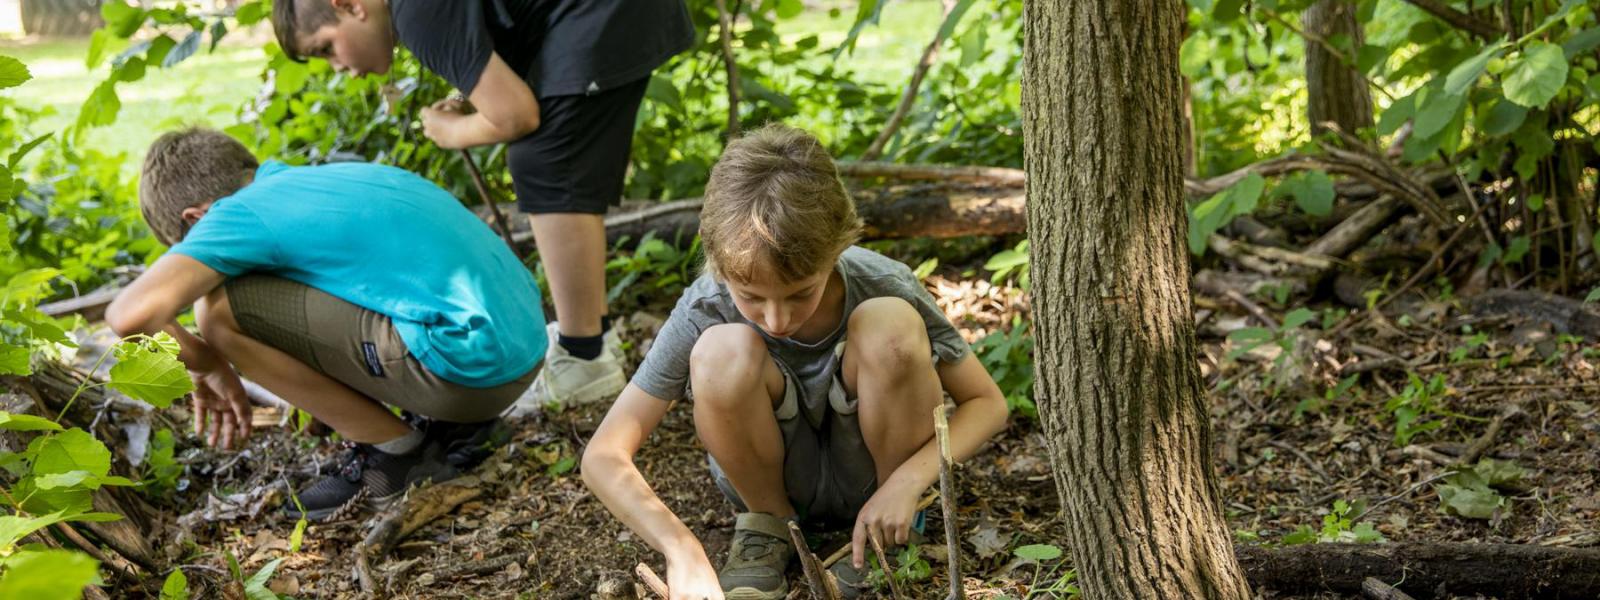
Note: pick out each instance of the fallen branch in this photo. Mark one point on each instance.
(403, 518)
(477, 567)
(1427, 570)
(1001, 176)
(1482, 444)
(1564, 314)
(1356, 229)
(883, 563)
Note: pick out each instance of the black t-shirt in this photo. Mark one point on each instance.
(560, 47)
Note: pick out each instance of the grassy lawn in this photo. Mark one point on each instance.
(206, 89)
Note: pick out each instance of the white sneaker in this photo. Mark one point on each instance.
(566, 380)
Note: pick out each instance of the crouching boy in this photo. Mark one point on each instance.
(346, 289)
(813, 366)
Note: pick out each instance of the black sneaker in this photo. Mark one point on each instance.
(467, 445)
(369, 478)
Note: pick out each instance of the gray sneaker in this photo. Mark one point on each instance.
(758, 559)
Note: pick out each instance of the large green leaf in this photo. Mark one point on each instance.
(15, 360)
(68, 451)
(48, 575)
(1436, 108)
(122, 19)
(13, 528)
(154, 377)
(12, 72)
(1397, 114)
(101, 107)
(1581, 42)
(1533, 78)
(176, 587)
(1504, 118)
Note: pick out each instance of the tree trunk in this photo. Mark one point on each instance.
(1117, 384)
(1335, 90)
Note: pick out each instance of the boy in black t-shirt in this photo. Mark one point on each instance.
(560, 81)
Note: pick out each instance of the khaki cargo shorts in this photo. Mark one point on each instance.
(359, 348)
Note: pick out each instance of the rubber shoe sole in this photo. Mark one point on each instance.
(750, 593)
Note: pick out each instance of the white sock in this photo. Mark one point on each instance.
(402, 445)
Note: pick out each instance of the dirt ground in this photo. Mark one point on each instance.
(1287, 449)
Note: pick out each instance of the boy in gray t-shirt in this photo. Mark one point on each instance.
(814, 367)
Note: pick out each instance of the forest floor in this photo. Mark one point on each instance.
(1300, 457)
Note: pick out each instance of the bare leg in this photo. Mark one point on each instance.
(888, 367)
(572, 247)
(736, 386)
(355, 416)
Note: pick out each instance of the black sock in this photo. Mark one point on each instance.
(586, 348)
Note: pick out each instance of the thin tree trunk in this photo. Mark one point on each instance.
(1117, 384)
(1335, 91)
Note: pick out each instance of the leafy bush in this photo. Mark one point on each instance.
(1008, 355)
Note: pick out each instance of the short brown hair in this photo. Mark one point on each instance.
(189, 168)
(775, 206)
(294, 18)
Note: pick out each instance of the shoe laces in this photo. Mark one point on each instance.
(754, 545)
(354, 461)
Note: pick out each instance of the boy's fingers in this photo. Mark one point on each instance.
(199, 413)
(858, 542)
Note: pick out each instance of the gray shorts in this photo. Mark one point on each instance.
(827, 470)
(359, 348)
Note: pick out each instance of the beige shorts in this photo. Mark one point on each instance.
(359, 348)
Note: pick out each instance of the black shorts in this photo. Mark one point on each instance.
(575, 162)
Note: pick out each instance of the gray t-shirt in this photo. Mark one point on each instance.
(866, 274)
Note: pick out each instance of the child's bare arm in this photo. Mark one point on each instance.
(505, 106)
(610, 473)
(152, 302)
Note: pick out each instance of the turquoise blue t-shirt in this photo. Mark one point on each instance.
(394, 243)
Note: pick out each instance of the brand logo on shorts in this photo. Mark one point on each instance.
(369, 351)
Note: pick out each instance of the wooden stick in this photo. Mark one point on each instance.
(947, 486)
(725, 31)
(883, 563)
(651, 580)
(815, 573)
(483, 194)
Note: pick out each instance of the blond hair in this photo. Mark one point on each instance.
(189, 168)
(775, 207)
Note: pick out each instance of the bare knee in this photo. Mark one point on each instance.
(888, 335)
(727, 364)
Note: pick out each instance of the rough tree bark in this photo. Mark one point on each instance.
(1117, 383)
(1335, 91)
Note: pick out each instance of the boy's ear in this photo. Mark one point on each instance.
(192, 214)
(354, 8)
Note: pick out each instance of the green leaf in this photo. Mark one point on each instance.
(38, 325)
(1472, 502)
(662, 91)
(70, 479)
(948, 28)
(255, 588)
(101, 107)
(1465, 74)
(176, 586)
(1582, 42)
(1517, 249)
(154, 377)
(121, 18)
(12, 72)
(1312, 192)
(1504, 118)
(15, 360)
(48, 575)
(1397, 114)
(867, 13)
(1194, 56)
(97, 48)
(1301, 535)
(1535, 77)
(298, 536)
(23, 150)
(1296, 318)
(1219, 210)
(15, 422)
(130, 70)
(1437, 109)
(13, 528)
(1226, 10)
(1038, 552)
(1499, 473)
(160, 47)
(185, 49)
(1594, 296)
(70, 450)
(789, 9)
(252, 13)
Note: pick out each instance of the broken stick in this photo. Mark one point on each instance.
(1372, 589)
(822, 585)
(651, 580)
(947, 485)
(883, 563)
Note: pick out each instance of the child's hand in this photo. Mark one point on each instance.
(693, 578)
(221, 408)
(886, 516)
(441, 122)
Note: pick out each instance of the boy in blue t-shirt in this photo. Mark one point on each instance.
(345, 289)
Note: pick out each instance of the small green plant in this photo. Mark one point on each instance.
(1315, 404)
(1006, 262)
(1461, 353)
(1337, 527)
(667, 268)
(1285, 337)
(255, 586)
(1416, 409)
(176, 586)
(1055, 583)
(1008, 355)
(1476, 492)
